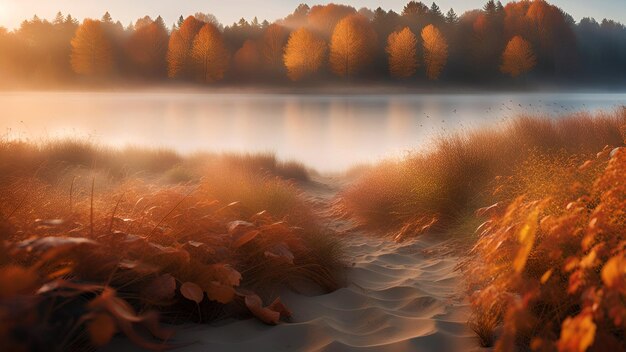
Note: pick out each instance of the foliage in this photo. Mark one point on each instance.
(209, 54)
(481, 46)
(518, 57)
(352, 46)
(453, 177)
(304, 54)
(92, 50)
(402, 50)
(85, 255)
(551, 265)
(435, 51)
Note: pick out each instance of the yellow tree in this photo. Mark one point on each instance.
(209, 54)
(272, 44)
(92, 53)
(305, 54)
(179, 48)
(352, 46)
(518, 57)
(435, 51)
(402, 51)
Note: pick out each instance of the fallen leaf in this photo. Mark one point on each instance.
(255, 305)
(192, 292)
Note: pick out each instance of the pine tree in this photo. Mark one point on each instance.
(451, 17)
(106, 18)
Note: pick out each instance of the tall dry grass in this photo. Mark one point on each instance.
(96, 240)
(446, 183)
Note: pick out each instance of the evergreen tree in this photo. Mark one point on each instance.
(106, 18)
(451, 17)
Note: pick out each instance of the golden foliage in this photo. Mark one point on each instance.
(352, 46)
(209, 54)
(305, 54)
(92, 51)
(179, 48)
(569, 294)
(322, 19)
(195, 249)
(435, 51)
(402, 51)
(518, 57)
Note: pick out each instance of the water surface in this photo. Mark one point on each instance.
(327, 132)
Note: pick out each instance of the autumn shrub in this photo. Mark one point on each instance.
(455, 176)
(87, 254)
(550, 263)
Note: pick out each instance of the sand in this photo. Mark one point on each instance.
(398, 297)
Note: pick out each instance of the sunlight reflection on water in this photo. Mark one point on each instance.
(326, 132)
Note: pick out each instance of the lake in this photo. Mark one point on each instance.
(327, 132)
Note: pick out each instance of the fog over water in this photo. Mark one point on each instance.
(327, 132)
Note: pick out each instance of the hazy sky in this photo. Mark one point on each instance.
(12, 12)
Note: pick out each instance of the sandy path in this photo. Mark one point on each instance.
(399, 297)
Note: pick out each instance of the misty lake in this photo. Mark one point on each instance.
(327, 132)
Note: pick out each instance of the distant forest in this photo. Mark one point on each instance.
(524, 41)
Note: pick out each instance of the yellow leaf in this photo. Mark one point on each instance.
(577, 333)
(546, 276)
(526, 237)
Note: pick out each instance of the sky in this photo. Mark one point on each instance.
(12, 12)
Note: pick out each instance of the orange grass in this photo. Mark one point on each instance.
(455, 176)
(96, 240)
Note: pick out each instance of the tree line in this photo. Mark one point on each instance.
(531, 39)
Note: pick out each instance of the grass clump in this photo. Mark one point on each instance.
(99, 243)
(456, 175)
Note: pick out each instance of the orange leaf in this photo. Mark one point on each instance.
(526, 237)
(255, 305)
(614, 273)
(279, 307)
(577, 333)
(192, 292)
(101, 329)
(220, 293)
(244, 238)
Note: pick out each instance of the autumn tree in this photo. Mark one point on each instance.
(352, 46)
(179, 48)
(435, 51)
(147, 47)
(323, 18)
(402, 51)
(518, 57)
(91, 50)
(247, 60)
(209, 54)
(272, 43)
(305, 54)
